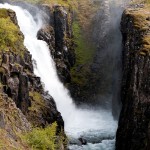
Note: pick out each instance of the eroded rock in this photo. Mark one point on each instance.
(134, 124)
(18, 81)
(57, 33)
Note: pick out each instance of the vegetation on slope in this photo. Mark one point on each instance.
(141, 21)
(42, 138)
(38, 107)
(15, 130)
(140, 1)
(83, 11)
(12, 124)
(9, 34)
(84, 55)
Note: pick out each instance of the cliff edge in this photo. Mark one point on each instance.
(134, 123)
(24, 104)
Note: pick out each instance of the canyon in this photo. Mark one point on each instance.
(43, 82)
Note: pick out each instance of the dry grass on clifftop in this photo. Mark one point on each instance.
(141, 22)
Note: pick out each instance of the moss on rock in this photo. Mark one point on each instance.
(11, 39)
(84, 52)
(12, 124)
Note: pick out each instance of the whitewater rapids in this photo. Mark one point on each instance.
(96, 126)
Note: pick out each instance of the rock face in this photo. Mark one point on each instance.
(57, 33)
(12, 123)
(18, 81)
(134, 123)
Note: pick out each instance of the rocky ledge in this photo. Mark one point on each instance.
(23, 102)
(57, 33)
(134, 123)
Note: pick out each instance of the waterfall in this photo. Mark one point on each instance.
(96, 126)
(107, 63)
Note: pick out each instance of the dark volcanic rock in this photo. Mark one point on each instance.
(23, 92)
(134, 123)
(18, 81)
(83, 141)
(5, 1)
(57, 33)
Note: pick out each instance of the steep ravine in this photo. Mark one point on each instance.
(134, 124)
(18, 80)
(33, 106)
(84, 123)
(22, 92)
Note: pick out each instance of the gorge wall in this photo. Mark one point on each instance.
(134, 123)
(23, 102)
(57, 33)
(133, 130)
(22, 92)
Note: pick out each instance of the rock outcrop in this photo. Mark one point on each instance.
(57, 33)
(12, 124)
(134, 123)
(18, 81)
(62, 34)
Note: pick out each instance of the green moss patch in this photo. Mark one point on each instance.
(38, 109)
(37, 102)
(141, 23)
(11, 39)
(3, 13)
(37, 97)
(13, 123)
(84, 51)
(146, 46)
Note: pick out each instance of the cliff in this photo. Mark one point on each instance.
(68, 34)
(12, 124)
(57, 33)
(134, 124)
(23, 101)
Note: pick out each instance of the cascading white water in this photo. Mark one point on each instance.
(94, 125)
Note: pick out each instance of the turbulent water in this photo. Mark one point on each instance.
(96, 126)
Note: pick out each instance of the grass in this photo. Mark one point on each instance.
(42, 138)
(141, 24)
(7, 143)
(83, 50)
(84, 55)
(11, 39)
(14, 124)
(38, 107)
(4, 13)
(148, 1)
(38, 110)
(83, 9)
(17, 135)
(37, 97)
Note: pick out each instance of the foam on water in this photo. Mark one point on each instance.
(88, 123)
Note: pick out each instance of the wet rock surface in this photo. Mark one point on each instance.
(24, 88)
(133, 130)
(57, 33)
